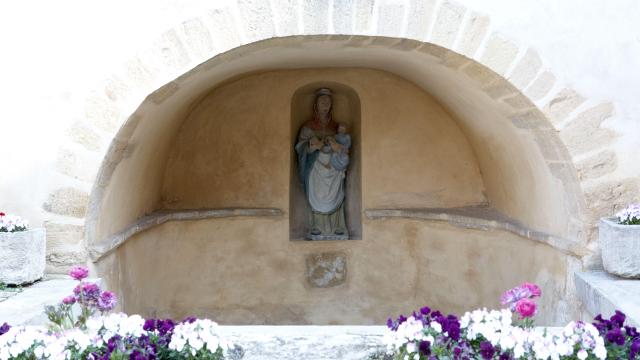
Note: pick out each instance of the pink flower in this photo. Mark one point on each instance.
(69, 300)
(107, 301)
(526, 308)
(533, 289)
(79, 272)
(2, 214)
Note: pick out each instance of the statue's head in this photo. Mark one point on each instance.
(323, 103)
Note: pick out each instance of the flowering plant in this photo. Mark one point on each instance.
(90, 298)
(94, 334)
(12, 223)
(630, 215)
(484, 334)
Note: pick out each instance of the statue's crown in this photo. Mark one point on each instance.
(324, 91)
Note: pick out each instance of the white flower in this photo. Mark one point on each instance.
(582, 354)
(436, 326)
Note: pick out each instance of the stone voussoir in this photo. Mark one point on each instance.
(562, 104)
(223, 25)
(257, 19)
(474, 31)
(342, 17)
(584, 133)
(364, 17)
(607, 198)
(315, 17)
(526, 69)
(598, 165)
(80, 165)
(540, 86)
(390, 19)
(421, 14)
(448, 23)
(499, 53)
(286, 15)
(171, 51)
(67, 201)
(198, 39)
(83, 134)
(103, 113)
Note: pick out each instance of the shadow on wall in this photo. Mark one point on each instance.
(346, 109)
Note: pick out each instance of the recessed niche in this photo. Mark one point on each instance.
(345, 110)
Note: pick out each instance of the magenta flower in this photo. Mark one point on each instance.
(533, 289)
(69, 300)
(526, 308)
(107, 301)
(79, 272)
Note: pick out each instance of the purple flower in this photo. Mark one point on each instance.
(631, 331)
(425, 310)
(149, 325)
(390, 324)
(107, 301)
(615, 336)
(505, 356)
(424, 348)
(190, 319)
(401, 319)
(79, 272)
(619, 318)
(4, 328)
(165, 326)
(69, 300)
(633, 351)
(113, 342)
(487, 350)
(89, 291)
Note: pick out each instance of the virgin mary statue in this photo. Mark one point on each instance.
(322, 148)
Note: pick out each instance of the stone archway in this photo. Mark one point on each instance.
(558, 121)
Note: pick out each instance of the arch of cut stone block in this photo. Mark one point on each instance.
(456, 42)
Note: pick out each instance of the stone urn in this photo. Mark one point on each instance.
(620, 246)
(22, 256)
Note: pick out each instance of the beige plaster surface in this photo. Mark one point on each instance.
(246, 271)
(515, 173)
(234, 148)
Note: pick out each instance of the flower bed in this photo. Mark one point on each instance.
(493, 334)
(82, 328)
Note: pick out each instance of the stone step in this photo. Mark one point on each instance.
(27, 307)
(603, 293)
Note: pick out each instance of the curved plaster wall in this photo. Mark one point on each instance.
(525, 168)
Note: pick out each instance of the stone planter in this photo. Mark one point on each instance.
(22, 256)
(620, 246)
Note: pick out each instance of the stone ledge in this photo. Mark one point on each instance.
(306, 342)
(98, 251)
(603, 293)
(480, 218)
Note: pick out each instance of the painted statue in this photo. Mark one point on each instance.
(323, 157)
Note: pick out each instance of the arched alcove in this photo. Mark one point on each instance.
(523, 200)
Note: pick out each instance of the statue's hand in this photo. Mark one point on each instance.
(334, 145)
(315, 144)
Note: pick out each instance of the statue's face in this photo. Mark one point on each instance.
(323, 105)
